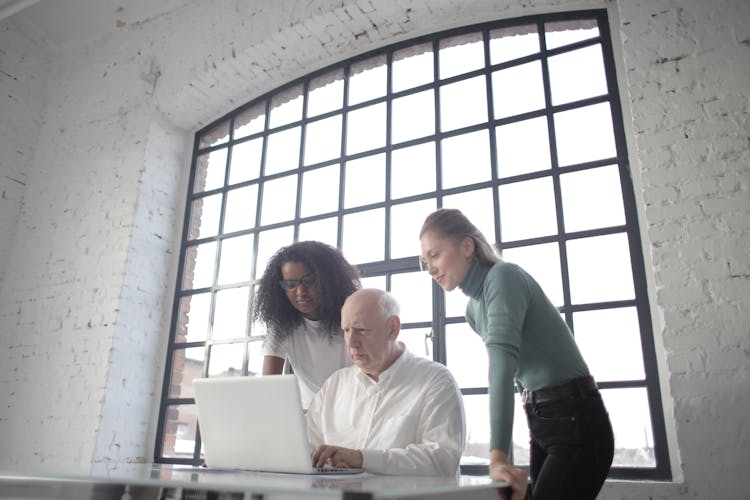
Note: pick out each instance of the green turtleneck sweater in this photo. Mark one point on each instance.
(526, 338)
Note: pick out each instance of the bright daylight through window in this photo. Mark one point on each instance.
(518, 124)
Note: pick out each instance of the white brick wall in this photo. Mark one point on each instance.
(85, 302)
(23, 68)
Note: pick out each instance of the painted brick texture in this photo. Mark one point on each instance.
(23, 63)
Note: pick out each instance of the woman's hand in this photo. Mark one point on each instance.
(501, 471)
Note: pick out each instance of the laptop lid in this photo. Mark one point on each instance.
(253, 423)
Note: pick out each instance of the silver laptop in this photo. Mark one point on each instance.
(255, 423)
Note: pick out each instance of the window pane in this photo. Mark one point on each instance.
(527, 209)
(413, 170)
(562, 33)
(286, 107)
(180, 426)
(269, 242)
(367, 79)
(466, 356)
(477, 409)
(610, 342)
(192, 325)
(543, 263)
(479, 207)
(511, 43)
(230, 314)
(373, 282)
(323, 140)
(326, 93)
(204, 217)
(320, 191)
(282, 152)
(463, 103)
(258, 329)
(364, 181)
(461, 54)
(226, 360)
(279, 200)
(577, 75)
(600, 269)
(417, 340)
(236, 259)
(251, 121)
(584, 134)
(365, 129)
(412, 67)
(592, 199)
(466, 159)
(522, 147)
(324, 230)
(477, 447)
(518, 89)
(455, 304)
(198, 271)
(255, 358)
(214, 136)
(245, 163)
(631, 421)
(364, 236)
(414, 295)
(406, 220)
(242, 205)
(187, 365)
(209, 170)
(413, 116)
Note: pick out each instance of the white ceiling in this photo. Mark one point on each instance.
(64, 22)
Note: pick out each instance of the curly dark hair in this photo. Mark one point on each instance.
(337, 279)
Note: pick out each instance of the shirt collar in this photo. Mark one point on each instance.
(389, 372)
(472, 283)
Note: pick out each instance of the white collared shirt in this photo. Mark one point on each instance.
(410, 422)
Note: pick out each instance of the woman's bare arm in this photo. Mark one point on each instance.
(273, 365)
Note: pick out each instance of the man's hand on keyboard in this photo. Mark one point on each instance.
(336, 456)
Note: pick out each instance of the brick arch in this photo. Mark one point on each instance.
(311, 43)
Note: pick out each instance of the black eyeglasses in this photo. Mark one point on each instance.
(291, 285)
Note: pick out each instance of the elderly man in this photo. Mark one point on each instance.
(391, 412)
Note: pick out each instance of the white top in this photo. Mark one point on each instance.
(410, 422)
(312, 352)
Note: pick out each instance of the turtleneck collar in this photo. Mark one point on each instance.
(472, 283)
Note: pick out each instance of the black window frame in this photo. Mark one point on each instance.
(389, 266)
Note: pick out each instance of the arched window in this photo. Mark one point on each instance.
(515, 122)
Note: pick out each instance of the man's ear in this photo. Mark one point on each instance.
(394, 322)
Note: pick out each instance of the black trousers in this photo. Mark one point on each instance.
(572, 444)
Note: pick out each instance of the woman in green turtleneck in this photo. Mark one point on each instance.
(530, 345)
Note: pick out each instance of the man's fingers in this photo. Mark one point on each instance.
(322, 454)
(316, 454)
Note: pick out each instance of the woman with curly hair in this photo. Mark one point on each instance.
(299, 299)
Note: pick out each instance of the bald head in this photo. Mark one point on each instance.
(369, 319)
